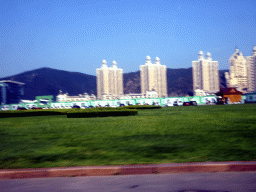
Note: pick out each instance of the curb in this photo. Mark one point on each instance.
(128, 170)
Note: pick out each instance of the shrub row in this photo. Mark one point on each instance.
(101, 113)
(92, 112)
(142, 107)
(103, 109)
(28, 113)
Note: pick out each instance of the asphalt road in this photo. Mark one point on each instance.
(188, 182)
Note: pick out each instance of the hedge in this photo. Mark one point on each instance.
(101, 113)
(142, 107)
(94, 112)
(28, 113)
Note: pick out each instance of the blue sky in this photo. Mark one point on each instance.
(76, 35)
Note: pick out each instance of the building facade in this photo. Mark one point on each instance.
(251, 71)
(149, 94)
(153, 77)
(109, 81)
(11, 91)
(238, 70)
(242, 72)
(81, 97)
(205, 75)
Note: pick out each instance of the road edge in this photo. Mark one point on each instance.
(238, 166)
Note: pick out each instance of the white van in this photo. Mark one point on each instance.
(5, 108)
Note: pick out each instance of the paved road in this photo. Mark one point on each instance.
(189, 182)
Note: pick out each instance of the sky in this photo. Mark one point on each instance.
(76, 35)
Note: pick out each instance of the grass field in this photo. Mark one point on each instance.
(173, 134)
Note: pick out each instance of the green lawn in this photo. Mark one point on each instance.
(173, 134)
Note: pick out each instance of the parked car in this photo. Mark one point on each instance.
(90, 106)
(180, 103)
(76, 107)
(194, 103)
(36, 108)
(175, 103)
(169, 104)
(21, 108)
(155, 104)
(220, 102)
(122, 105)
(186, 103)
(190, 103)
(4, 108)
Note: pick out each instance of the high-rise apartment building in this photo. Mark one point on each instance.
(238, 70)
(153, 77)
(109, 81)
(251, 71)
(205, 74)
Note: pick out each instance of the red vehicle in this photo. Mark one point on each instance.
(190, 103)
(21, 108)
(186, 104)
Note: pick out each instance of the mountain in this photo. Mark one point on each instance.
(222, 78)
(48, 81)
(131, 82)
(180, 82)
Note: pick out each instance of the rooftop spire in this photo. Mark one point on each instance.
(157, 60)
(254, 50)
(114, 64)
(236, 50)
(104, 63)
(208, 56)
(148, 60)
(200, 55)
